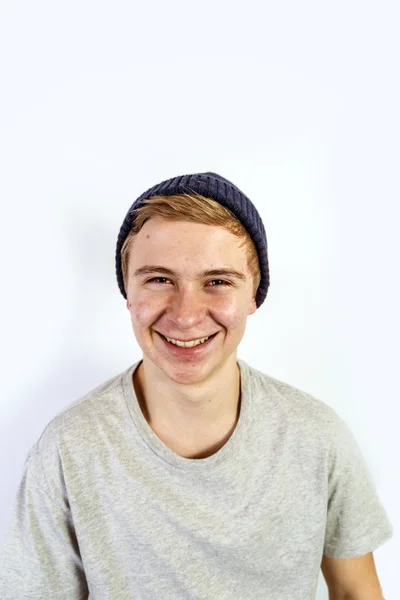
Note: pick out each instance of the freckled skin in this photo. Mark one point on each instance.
(184, 308)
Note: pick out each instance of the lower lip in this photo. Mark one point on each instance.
(188, 352)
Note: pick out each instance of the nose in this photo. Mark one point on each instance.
(187, 308)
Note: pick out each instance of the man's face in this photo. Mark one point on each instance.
(186, 305)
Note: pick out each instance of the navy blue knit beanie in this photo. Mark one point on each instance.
(210, 185)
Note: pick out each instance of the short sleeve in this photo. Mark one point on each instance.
(40, 558)
(357, 522)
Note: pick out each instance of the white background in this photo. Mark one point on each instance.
(295, 102)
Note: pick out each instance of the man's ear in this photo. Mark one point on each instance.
(253, 307)
(128, 306)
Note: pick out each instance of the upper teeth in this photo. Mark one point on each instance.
(187, 344)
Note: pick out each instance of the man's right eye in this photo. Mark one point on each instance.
(155, 279)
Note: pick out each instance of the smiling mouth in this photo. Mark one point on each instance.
(205, 338)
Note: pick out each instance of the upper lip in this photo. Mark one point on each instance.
(200, 337)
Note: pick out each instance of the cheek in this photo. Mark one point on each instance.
(145, 311)
(231, 314)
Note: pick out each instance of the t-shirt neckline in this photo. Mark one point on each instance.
(229, 451)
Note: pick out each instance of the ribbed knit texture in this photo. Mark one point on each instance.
(210, 185)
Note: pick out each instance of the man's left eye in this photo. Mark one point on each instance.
(223, 282)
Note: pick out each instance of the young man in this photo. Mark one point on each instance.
(191, 475)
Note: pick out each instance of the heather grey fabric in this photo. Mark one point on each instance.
(105, 508)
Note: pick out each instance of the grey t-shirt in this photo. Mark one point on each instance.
(105, 509)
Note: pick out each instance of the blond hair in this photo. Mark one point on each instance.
(198, 209)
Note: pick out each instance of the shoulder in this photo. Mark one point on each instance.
(75, 434)
(302, 410)
(73, 427)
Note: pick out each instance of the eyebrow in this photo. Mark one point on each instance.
(208, 273)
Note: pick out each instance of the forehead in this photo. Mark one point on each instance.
(187, 249)
(186, 239)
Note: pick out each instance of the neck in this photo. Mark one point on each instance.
(203, 410)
